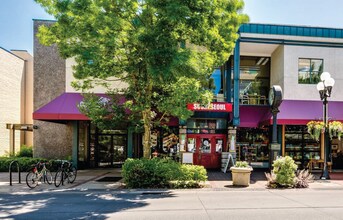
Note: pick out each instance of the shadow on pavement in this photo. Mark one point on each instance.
(74, 205)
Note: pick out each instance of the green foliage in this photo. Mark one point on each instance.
(284, 170)
(25, 151)
(25, 163)
(161, 173)
(242, 164)
(158, 48)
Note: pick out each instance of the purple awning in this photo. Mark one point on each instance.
(299, 112)
(251, 116)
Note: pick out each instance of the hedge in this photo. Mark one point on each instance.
(161, 173)
(26, 162)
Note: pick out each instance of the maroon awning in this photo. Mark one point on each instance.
(64, 107)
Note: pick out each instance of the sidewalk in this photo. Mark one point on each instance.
(86, 179)
(89, 180)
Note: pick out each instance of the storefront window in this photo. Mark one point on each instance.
(205, 145)
(83, 142)
(300, 145)
(206, 126)
(191, 144)
(252, 146)
(219, 145)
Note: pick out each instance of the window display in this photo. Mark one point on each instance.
(300, 145)
(252, 146)
(206, 126)
(205, 145)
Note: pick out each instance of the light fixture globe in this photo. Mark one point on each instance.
(324, 76)
(320, 86)
(329, 82)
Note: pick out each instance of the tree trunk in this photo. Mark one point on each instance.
(146, 137)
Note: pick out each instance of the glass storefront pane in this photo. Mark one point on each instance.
(83, 141)
(191, 143)
(205, 145)
(191, 123)
(219, 145)
(254, 80)
(206, 126)
(252, 146)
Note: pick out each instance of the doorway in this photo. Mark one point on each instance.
(112, 149)
(208, 148)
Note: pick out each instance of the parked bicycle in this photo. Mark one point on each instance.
(34, 176)
(66, 172)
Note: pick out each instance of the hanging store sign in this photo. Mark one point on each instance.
(212, 107)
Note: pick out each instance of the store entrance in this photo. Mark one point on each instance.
(111, 149)
(207, 149)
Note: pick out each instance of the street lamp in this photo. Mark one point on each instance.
(325, 87)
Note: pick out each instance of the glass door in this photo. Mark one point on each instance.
(105, 150)
(112, 149)
(119, 149)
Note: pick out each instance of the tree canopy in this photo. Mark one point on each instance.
(163, 49)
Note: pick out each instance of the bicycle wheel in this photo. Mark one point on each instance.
(31, 179)
(48, 177)
(58, 178)
(72, 174)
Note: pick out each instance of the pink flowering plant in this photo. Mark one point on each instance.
(315, 128)
(335, 129)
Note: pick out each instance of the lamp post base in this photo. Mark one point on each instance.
(325, 174)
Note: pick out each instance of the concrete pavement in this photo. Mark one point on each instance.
(88, 180)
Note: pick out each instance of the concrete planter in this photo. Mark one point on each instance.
(241, 176)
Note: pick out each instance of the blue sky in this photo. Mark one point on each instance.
(16, 17)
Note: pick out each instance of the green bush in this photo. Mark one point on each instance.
(25, 163)
(25, 151)
(161, 173)
(284, 169)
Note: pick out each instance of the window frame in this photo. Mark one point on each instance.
(312, 79)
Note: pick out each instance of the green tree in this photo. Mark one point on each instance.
(163, 50)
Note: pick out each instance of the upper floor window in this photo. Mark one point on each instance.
(310, 70)
(254, 80)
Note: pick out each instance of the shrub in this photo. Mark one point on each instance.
(284, 169)
(283, 173)
(161, 173)
(25, 151)
(25, 163)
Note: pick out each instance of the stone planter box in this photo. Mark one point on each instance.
(241, 176)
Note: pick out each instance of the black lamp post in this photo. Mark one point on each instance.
(325, 87)
(275, 99)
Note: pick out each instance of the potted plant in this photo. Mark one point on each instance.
(335, 129)
(315, 128)
(241, 173)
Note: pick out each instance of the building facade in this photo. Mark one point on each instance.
(239, 119)
(16, 69)
(292, 57)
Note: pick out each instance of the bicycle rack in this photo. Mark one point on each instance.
(10, 171)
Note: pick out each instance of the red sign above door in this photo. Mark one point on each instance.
(212, 107)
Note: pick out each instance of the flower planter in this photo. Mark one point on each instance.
(241, 176)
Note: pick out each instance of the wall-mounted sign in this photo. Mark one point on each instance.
(212, 107)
